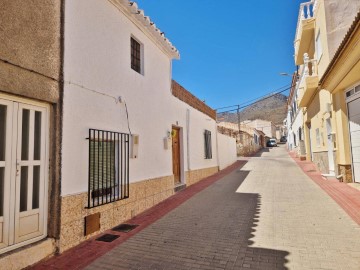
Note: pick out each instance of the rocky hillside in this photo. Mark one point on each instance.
(272, 109)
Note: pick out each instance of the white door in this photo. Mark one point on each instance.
(330, 147)
(354, 127)
(23, 173)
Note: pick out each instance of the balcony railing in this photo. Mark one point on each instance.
(307, 11)
(309, 80)
(310, 66)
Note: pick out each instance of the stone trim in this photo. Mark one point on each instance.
(195, 176)
(185, 96)
(143, 195)
(346, 171)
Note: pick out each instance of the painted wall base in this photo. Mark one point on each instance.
(28, 255)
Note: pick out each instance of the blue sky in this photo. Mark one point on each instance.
(231, 51)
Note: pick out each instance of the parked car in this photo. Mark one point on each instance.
(283, 139)
(271, 143)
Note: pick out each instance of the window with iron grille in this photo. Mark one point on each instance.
(135, 55)
(108, 167)
(208, 151)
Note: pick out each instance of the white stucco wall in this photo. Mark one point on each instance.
(227, 150)
(97, 62)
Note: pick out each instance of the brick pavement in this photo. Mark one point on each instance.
(268, 214)
(85, 253)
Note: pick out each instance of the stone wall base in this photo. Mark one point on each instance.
(143, 195)
(28, 255)
(195, 176)
(322, 161)
(346, 171)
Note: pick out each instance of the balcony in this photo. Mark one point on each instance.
(309, 81)
(304, 37)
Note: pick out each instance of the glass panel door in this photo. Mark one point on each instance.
(23, 173)
(6, 111)
(30, 173)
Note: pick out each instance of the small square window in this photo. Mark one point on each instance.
(136, 56)
(357, 89)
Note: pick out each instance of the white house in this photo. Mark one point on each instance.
(295, 118)
(128, 141)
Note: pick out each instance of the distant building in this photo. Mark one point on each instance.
(265, 126)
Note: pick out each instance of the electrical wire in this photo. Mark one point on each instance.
(263, 96)
(242, 107)
(106, 95)
(127, 118)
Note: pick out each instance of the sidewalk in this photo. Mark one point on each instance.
(85, 253)
(347, 197)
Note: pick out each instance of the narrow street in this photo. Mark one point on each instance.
(265, 215)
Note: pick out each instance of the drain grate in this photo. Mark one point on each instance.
(107, 237)
(124, 227)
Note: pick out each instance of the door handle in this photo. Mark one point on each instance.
(17, 168)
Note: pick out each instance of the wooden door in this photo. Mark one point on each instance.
(176, 154)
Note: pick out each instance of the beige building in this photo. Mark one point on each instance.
(342, 80)
(30, 109)
(248, 139)
(321, 27)
(265, 126)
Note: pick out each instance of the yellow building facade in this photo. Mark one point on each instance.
(342, 80)
(322, 25)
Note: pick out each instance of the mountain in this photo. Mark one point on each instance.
(272, 108)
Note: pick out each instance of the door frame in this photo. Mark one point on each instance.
(330, 146)
(11, 207)
(347, 101)
(181, 153)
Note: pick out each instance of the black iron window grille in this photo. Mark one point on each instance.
(108, 167)
(208, 150)
(135, 55)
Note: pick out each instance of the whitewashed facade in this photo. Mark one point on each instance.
(103, 91)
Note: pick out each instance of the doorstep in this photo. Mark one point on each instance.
(179, 187)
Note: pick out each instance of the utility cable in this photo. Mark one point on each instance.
(242, 107)
(263, 96)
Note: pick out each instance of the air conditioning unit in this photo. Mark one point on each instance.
(134, 146)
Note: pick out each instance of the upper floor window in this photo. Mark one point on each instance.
(318, 46)
(136, 56)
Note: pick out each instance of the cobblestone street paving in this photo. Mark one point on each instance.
(266, 215)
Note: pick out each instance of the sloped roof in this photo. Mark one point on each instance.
(133, 12)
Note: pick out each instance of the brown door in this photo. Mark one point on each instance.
(176, 154)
